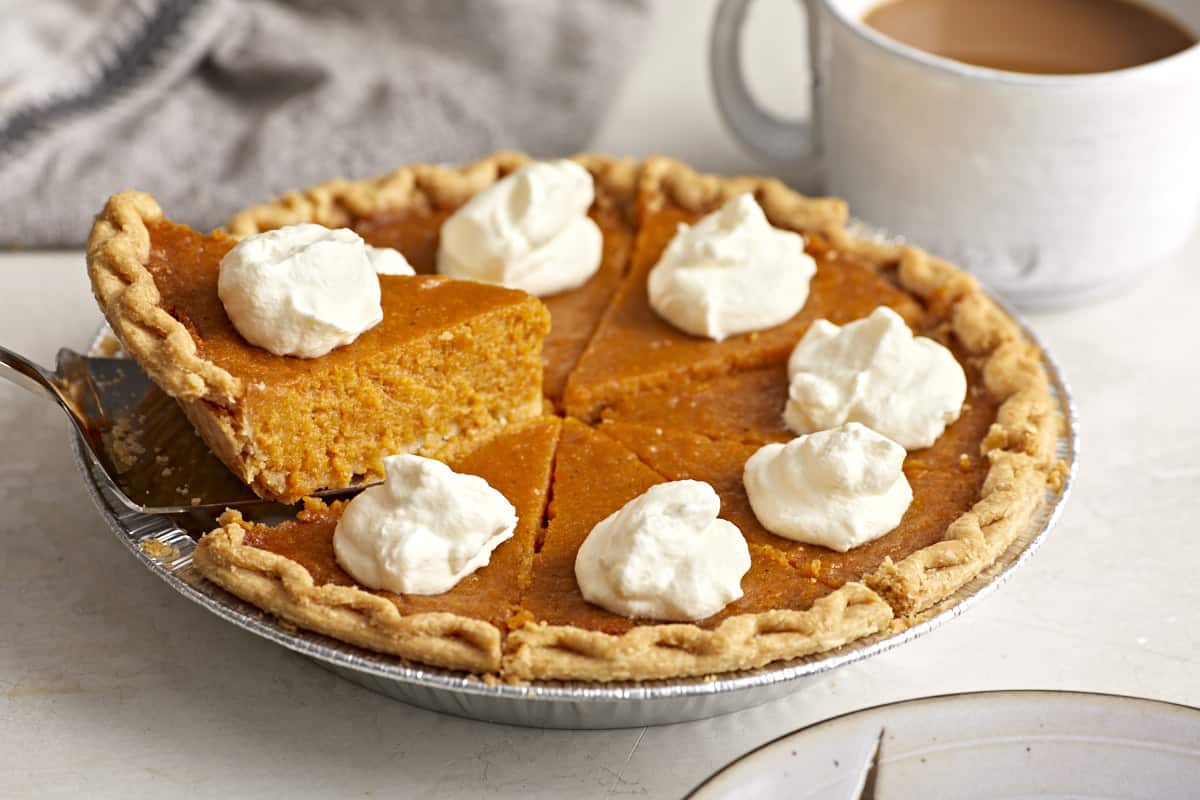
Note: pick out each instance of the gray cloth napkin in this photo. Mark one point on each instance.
(211, 105)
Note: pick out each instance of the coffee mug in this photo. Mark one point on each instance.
(1052, 189)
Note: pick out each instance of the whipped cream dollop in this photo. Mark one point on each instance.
(838, 488)
(731, 273)
(388, 261)
(874, 371)
(664, 555)
(422, 530)
(529, 230)
(302, 290)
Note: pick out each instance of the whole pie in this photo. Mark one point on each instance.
(621, 401)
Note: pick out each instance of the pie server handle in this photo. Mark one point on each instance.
(40, 381)
(68, 389)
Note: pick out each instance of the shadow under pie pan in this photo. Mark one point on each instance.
(165, 548)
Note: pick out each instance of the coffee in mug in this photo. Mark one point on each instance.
(1048, 146)
(1048, 37)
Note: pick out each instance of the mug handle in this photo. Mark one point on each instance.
(774, 138)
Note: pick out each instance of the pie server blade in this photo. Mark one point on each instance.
(138, 436)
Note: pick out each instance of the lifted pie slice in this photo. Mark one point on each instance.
(421, 381)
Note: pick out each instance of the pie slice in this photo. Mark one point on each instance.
(782, 614)
(405, 210)
(634, 349)
(290, 570)
(422, 381)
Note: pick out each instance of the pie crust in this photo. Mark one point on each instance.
(418, 187)
(1019, 448)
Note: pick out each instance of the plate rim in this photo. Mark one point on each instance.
(978, 693)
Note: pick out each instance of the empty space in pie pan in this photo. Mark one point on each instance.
(165, 548)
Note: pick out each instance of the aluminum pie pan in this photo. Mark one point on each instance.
(165, 548)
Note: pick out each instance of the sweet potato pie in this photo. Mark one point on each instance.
(570, 406)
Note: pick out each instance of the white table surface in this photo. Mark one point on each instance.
(113, 686)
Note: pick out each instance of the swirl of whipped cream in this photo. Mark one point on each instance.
(664, 555)
(838, 488)
(529, 230)
(874, 371)
(422, 530)
(731, 273)
(301, 290)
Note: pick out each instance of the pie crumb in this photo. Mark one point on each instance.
(126, 443)
(1057, 477)
(156, 549)
(108, 347)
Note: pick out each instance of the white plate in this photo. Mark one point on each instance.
(983, 746)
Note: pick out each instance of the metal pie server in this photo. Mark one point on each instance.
(148, 451)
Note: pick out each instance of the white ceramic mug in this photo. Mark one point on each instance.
(1053, 189)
